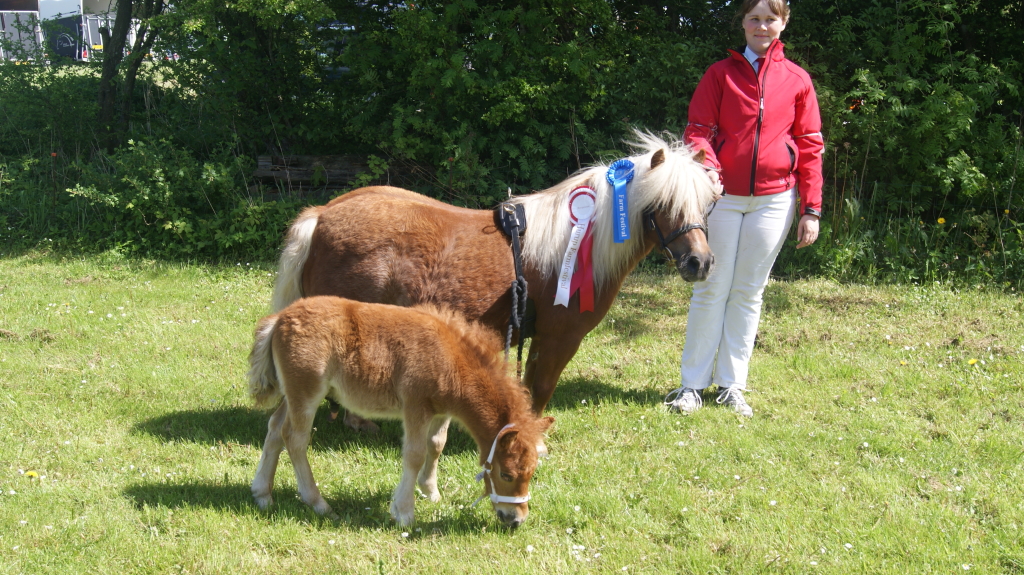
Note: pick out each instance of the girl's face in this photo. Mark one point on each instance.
(761, 26)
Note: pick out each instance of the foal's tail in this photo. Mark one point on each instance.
(264, 387)
(296, 249)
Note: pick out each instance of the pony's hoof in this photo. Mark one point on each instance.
(542, 450)
(402, 518)
(432, 494)
(361, 425)
(264, 502)
(322, 508)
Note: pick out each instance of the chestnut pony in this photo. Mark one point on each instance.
(388, 245)
(421, 365)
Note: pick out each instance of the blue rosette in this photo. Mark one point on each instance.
(619, 175)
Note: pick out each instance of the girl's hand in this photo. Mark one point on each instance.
(806, 231)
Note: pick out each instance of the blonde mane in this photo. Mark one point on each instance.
(679, 187)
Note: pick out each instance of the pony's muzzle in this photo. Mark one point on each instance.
(695, 267)
(512, 515)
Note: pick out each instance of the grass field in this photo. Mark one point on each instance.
(887, 438)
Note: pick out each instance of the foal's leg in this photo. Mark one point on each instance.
(263, 483)
(437, 435)
(413, 447)
(297, 428)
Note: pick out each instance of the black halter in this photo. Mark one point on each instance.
(665, 241)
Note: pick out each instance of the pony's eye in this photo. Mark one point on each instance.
(506, 477)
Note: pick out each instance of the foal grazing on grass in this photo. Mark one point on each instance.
(421, 365)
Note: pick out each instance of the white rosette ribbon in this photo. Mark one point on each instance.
(582, 202)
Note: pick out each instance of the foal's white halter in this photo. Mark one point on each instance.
(495, 498)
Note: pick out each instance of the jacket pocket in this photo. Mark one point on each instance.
(792, 157)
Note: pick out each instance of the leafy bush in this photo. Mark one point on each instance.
(158, 199)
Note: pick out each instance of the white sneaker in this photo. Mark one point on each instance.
(684, 400)
(733, 397)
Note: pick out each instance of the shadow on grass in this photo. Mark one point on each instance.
(776, 300)
(249, 427)
(357, 509)
(570, 392)
(236, 498)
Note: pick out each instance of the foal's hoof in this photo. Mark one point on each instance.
(264, 502)
(361, 425)
(403, 519)
(431, 494)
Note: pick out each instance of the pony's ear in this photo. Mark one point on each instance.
(507, 438)
(658, 158)
(546, 423)
(700, 156)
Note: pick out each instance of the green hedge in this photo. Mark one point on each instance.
(921, 103)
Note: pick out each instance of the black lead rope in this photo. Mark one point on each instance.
(513, 222)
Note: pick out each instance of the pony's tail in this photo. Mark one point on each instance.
(264, 388)
(288, 287)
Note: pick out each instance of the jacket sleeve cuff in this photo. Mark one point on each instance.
(812, 212)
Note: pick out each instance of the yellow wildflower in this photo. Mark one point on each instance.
(972, 361)
(942, 220)
(31, 475)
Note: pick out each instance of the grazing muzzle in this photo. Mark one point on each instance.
(486, 472)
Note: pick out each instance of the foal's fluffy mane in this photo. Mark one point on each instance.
(485, 347)
(679, 187)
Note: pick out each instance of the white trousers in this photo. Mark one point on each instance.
(745, 233)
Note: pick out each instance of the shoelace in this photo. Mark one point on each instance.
(678, 392)
(735, 394)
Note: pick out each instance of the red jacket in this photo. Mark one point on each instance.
(763, 131)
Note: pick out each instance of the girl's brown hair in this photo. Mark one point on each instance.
(778, 7)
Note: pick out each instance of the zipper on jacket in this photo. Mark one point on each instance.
(760, 117)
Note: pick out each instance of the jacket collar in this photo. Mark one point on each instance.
(774, 52)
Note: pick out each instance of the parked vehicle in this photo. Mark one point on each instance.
(78, 36)
(21, 37)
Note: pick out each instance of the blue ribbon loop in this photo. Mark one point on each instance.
(619, 174)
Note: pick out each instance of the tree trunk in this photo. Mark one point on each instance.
(113, 53)
(144, 39)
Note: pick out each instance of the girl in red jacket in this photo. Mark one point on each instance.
(755, 115)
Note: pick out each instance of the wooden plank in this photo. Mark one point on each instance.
(309, 171)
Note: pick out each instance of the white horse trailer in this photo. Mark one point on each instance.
(21, 37)
(78, 37)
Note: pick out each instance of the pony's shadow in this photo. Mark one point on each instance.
(236, 498)
(776, 300)
(249, 427)
(570, 393)
(357, 510)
